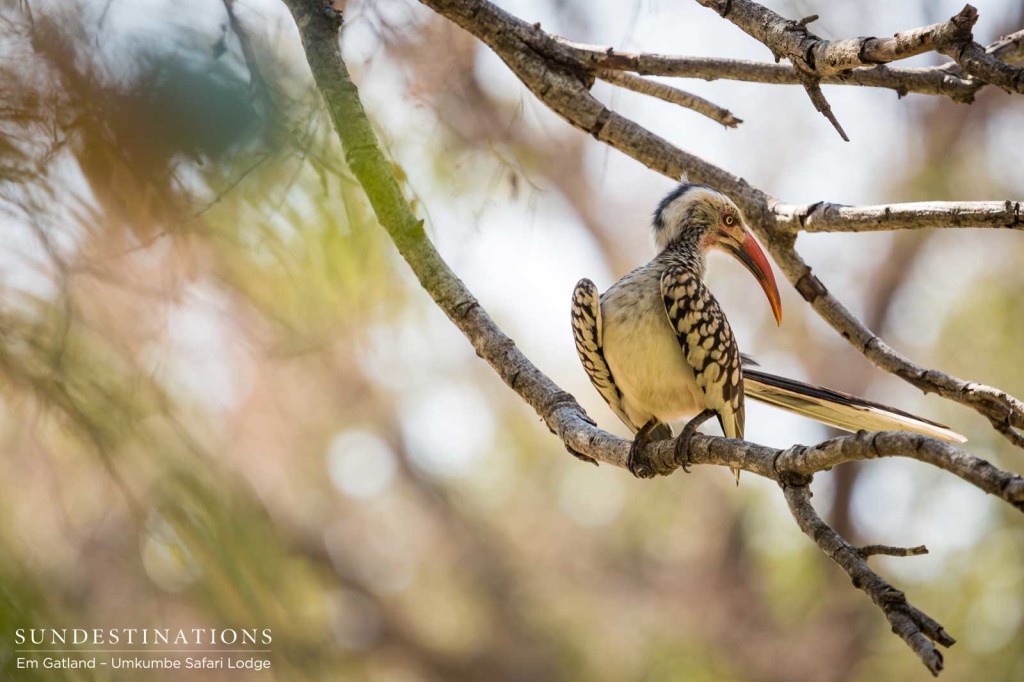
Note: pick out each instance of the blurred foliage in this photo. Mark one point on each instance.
(226, 403)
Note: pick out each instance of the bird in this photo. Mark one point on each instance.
(658, 348)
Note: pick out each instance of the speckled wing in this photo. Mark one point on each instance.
(707, 344)
(586, 330)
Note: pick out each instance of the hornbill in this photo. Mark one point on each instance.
(658, 348)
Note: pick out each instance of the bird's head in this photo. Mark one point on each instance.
(699, 218)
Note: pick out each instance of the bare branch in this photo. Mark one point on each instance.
(857, 61)
(919, 630)
(1009, 49)
(888, 550)
(813, 89)
(816, 56)
(669, 94)
(926, 81)
(319, 27)
(983, 66)
(979, 62)
(902, 45)
(863, 445)
(826, 217)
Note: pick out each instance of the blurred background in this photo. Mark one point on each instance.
(226, 403)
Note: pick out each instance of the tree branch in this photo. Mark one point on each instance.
(888, 550)
(826, 217)
(1009, 49)
(319, 26)
(948, 80)
(669, 94)
(979, 62)
(926, 81)
(816, 56)
(916, 628)
(806, 461)
(812, 86)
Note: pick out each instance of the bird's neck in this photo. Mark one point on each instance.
(683, 254)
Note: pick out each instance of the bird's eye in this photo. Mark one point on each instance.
(730, 220)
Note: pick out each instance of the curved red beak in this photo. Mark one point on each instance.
(747, 251)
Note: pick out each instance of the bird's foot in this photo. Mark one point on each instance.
(638, 463)
(682, 446)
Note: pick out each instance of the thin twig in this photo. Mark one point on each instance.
(919, 630)
(670, 94)
(888, 550)
(827, 217)
(813, 89)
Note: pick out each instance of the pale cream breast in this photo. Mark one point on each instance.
(643, 353)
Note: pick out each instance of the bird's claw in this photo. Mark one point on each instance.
(682, 452)
(637, 463)
(682, 447)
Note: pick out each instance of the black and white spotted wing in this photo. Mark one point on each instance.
(586, 330)
(707, 344)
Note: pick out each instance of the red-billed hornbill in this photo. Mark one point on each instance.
(658, 348)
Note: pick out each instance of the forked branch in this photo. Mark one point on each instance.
(920, 631)
(925, 81)
(814, 58)
(811, 54)
(858, 61)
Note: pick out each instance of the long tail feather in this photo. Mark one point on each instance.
(840, 410)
